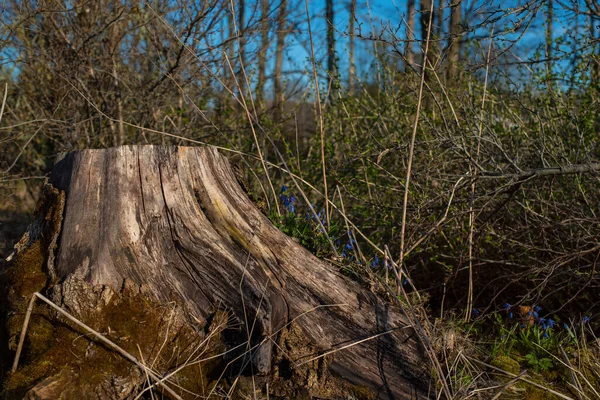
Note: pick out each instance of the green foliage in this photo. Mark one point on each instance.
(302, 226)
(535, 346)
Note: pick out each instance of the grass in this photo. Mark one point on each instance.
(414, 183)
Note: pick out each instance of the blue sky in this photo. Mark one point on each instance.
(392, 14)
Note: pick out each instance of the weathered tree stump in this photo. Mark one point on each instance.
(160, 250)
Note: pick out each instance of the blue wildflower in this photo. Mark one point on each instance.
(375, 262)
(546, 335)
(405, 282)
(586, 319)
(351, 237)
(475, 311)
(506, 306)
(550, 323)
(284, 189)
(537, 309)
(510, 315)
(542, 322)
(288, 202)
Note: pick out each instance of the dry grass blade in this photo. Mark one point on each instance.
(472, 210)
(3, 101)
(413, 137)
(319, 114)
(145, 372)
(522, 378)
(349, 345)
(508, 384)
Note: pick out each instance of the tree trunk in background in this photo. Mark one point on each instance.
(226, 34)
(331, 67)
(595, 75)
(410, 33)
(262, 54)
(241, 25)
(426, 15)
(352, 68)
(454, 41)
(439, 28)
(279, 50)
(230, 64)
(152, 245)
(549, 40)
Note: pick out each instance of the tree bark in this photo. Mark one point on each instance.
(549, 41)
(331, 67)
(137, 228)
(439, 27)
(455, 41)
(281, 34)
(262, 55)
(410, 33)
(352, 68)
(241, 25)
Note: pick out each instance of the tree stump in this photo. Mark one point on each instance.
(159, 250)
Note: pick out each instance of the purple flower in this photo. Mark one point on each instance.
(375, 262)
(288, 202)
(542, 322)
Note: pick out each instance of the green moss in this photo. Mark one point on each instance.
(54, 345)
(535, 393)
(130, 321)
(507, 364)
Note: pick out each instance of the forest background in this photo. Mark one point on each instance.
(450, 148)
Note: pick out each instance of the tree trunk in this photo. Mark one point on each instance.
(426, 36)
(331, 67)
(262, 55)
(549, 42)
(160, 250)
(439, 28)
(455, 41)
(595, 74)
(352, 68)
(242, 46)
(426, 15)
(281, 33)
(410, 34)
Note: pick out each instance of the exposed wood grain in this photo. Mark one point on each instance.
(175, 221)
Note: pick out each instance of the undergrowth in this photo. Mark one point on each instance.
(494, 202)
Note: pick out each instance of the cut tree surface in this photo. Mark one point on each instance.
(173, 223)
